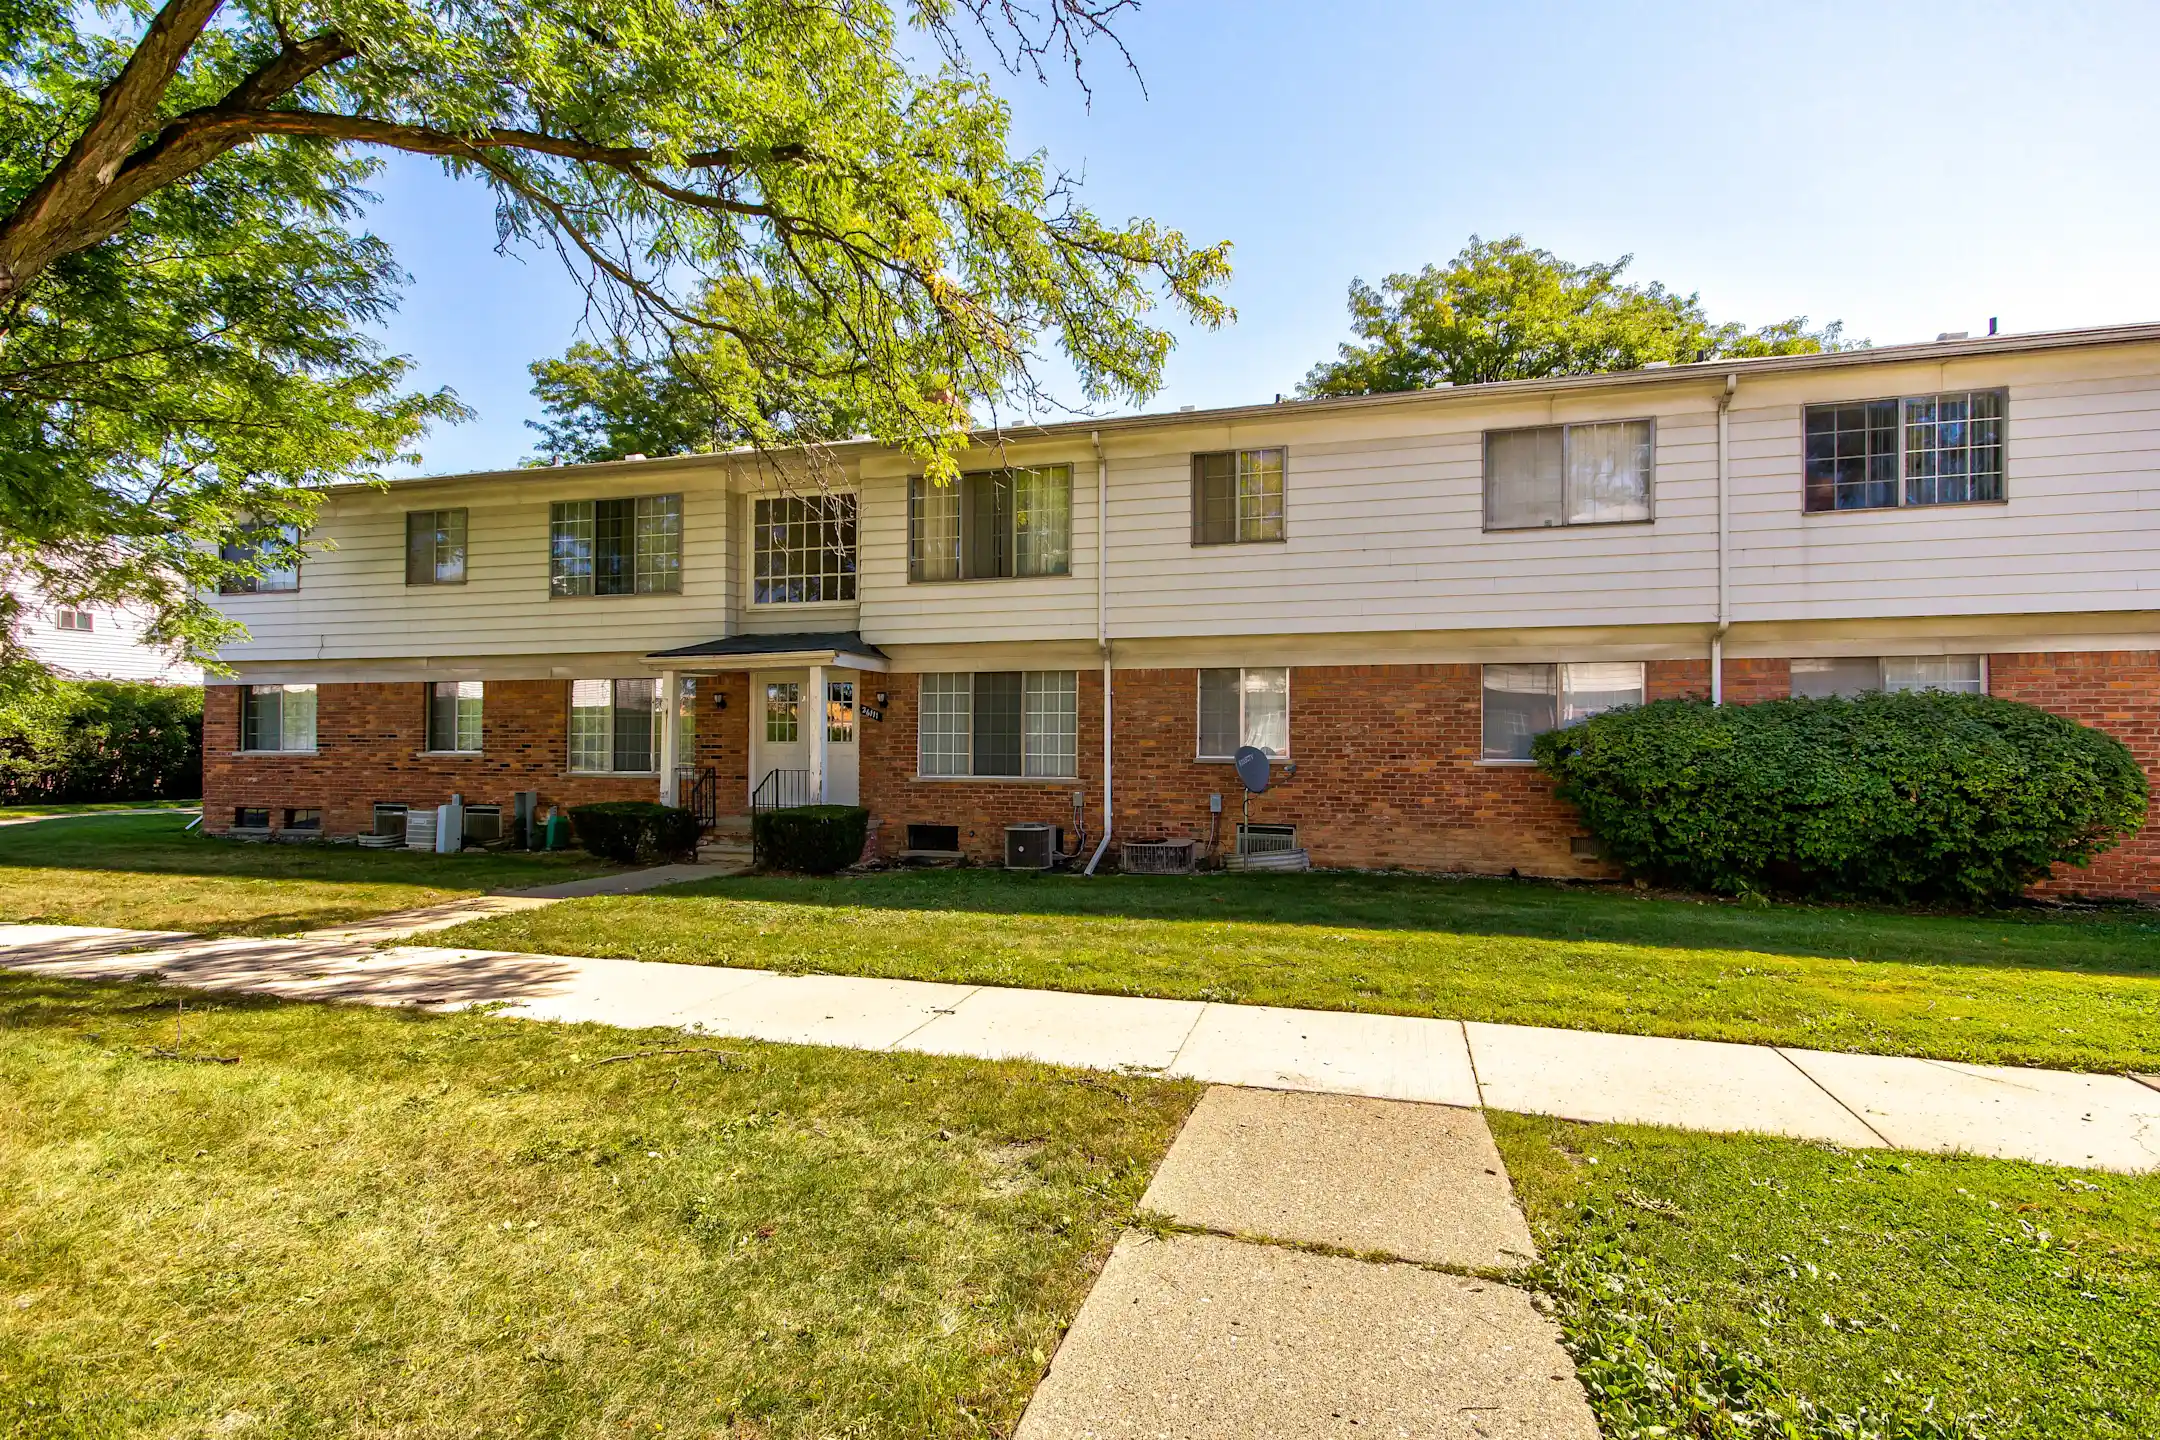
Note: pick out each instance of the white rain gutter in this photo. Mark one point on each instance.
(1102, 628)
(1724, 585)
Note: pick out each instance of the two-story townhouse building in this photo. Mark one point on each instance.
(1392, 593)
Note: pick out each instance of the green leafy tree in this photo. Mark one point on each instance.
(1502, 310)
(186, 303)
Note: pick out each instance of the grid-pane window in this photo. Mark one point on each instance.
(802, 549)
(280, 572)
(69, 619)
(615, 726)
(1244, 707)
(941, 727)
(1042, 520)
(627, 546)
(1522, 702)
(1861, 675)
(783, 712)
(1052, 719)
(277, 717)
(933, 530)
(1595, 474)
(840, 712)
(1922, 450)
(991, 524)
(1238, 496)
(434, 547)
(453, 719)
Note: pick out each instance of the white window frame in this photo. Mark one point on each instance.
(478, 697)
(1249, 517)
(1567, 430)
(1902, 456)
(846, 579)
(283, 581)
(1882, 685)
(440, 547)
(921, 494)
(286, 729)
(654, 569)
(75, 620)
(1244, 724)
(1560, 701)
(607, 737)
(1032, 686)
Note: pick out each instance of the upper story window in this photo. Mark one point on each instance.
(1244, 707)
(277, 717)
(999, 723)
(991, 524)
(434, 547)
(1237, 496)
(453, 717)
(1522, 702)
(1596, 474)
(1861, 675)
(615, 726)
(615, 547)
(247, 550)
(802, 549)
(1921, 450)
(71, 619)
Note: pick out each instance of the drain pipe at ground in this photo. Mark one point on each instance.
(1102, 628)
(1724, 613)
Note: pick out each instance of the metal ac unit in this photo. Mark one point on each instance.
(1030, 847)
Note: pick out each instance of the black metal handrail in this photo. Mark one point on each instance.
(698, 791)
(779, 790)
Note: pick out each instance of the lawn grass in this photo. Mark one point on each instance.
(1923, 1296)
(93, 807)
(2024, 987)
(390, 1223)
(146, 872)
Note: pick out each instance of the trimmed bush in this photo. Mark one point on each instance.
(82, 742)
(1927, 796)
(632, 832)
(811, 839)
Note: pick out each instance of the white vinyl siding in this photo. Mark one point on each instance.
(1522, 702)
(1244, 707)
(615, 726)
(997, 724)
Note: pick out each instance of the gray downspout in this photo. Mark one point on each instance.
(1724, 507)
(1102, 629)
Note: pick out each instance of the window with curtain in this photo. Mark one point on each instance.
(615, 726)
(279, 574)
(1594, 474)
(802, 549)
(999, 723)
(1522, 702)
(434, 547)
(277, 717)
(1237, 496)
(453, 718)
(1942, 449)
(1244, 707)
(615, 547)
(991, 524)
(1862, 675)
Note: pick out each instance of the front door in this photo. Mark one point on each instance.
(842, 725)
(778, 739)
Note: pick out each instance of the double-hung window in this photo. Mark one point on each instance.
(615, 726)
(615, 547)
(991, 524)
(277, 717)
(1921, 450)
(1597, 474)
(1237, 497)
(999, 723)
(434, 547)
(1244, 707)
(280, 572)
(1522, 702)
(69, 619)
(802, 549)
(453, 717)
(1861, 675)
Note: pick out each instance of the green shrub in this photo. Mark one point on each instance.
(76, 742)
(1906, 797)
(632, 832)
(811, 839)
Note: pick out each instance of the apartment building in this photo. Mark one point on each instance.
(1390, 595)
(93, 642)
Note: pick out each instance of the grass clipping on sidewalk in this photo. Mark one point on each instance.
(261, 1218)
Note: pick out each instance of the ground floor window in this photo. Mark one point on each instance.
(1522, 702)
(1244, 707)
(1862, 675)
(453, 720)
(277, 717)
(303, 819)
(251, 817)
(614, 726)
(1000, 722)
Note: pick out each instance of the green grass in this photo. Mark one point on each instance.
(385, 1223)
(146, 872)
(2024, 987)
(98, 807)
(2023, 1301)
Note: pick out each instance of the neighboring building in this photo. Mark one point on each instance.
(94, 642)
(1395, 592)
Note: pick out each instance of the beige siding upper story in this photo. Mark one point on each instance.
(1384, 523)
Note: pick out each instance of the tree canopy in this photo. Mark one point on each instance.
(1503, 310)
(186, 298)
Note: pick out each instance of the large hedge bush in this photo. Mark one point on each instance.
(632, 832)
(811, 839)
(77, 742)
(1907, 797)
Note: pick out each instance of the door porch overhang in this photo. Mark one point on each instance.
(841, 649)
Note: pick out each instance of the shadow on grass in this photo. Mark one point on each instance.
(2124, 943)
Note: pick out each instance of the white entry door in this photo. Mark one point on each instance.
(778, 715)
(843, 769)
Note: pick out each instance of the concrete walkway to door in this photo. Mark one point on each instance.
(2107, 1122)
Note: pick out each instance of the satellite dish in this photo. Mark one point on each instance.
(1252, 768)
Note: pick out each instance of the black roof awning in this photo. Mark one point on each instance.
(845, 648)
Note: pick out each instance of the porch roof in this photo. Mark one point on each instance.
(845, 648)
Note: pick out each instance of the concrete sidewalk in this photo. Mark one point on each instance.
(2107, 1122)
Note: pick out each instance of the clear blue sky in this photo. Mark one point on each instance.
(1907, 170)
